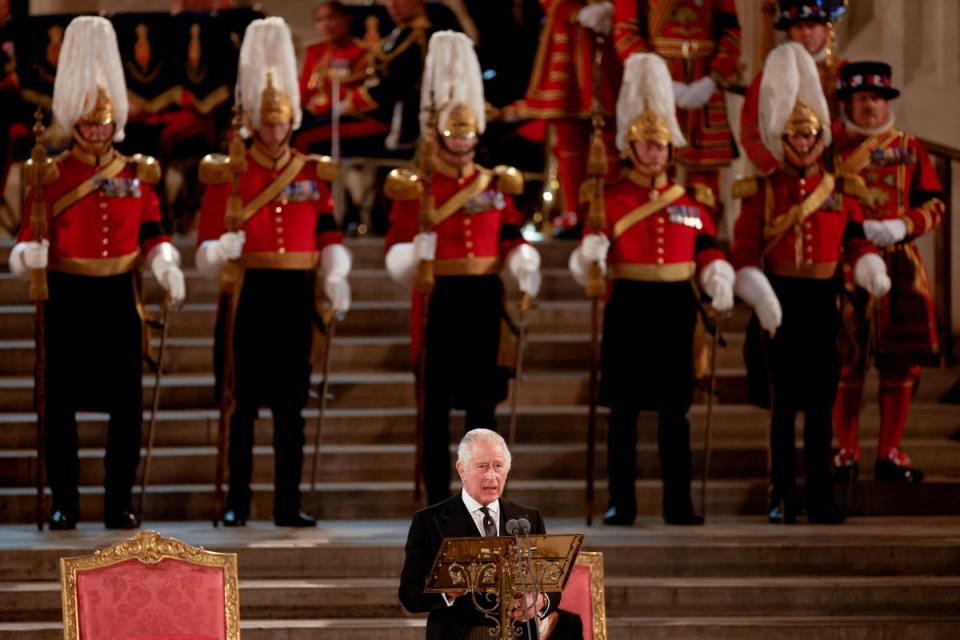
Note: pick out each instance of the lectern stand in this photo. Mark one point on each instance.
(487, 570)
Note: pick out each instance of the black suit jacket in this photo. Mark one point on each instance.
(450, 519)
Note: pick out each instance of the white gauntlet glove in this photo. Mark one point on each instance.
(593, 248)
(213, 254)
(523, 262)
(598, 17)
(752, 285)
(335, 260)
(164, 261)
(870, 273)
(29, 256)
(717, 280)
(425, 246)
(884, 233)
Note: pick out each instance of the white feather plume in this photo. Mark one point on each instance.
(267, 48)
(790, 73)
(645, 76)
(89, 57)
(451, 75)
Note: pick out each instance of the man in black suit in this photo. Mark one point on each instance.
(483, 462)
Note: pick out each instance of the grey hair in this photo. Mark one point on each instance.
(476, 436)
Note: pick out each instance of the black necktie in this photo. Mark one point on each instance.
(489, 529)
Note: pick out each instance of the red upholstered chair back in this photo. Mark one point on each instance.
(583, 596)
(150, 588)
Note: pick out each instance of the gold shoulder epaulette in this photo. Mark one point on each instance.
(703, 194)
(745, 187)
(215, 169)
(148, 169)
(402, 184)
(327, 169)
(853, 185)
(509, 179)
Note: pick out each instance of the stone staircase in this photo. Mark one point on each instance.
(877, 577)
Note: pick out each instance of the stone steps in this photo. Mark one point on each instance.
(625, 596)
(556, 498)
(360, 353)
(535, 424)
(393, 462)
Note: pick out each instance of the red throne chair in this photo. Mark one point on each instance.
(582, 598)
(149, 587)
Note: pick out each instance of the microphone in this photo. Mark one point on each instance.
(524, 526)
(514, 528)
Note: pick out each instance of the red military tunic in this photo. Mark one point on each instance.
(697, 38)
(809, 245)
(902, 184)
(473, 240)
(750, 139)
(322, 63)
(100, 231)
(289, 229)
(667, 245)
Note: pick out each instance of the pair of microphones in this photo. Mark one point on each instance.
(516, 527)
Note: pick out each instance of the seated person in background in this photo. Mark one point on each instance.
(483, 462)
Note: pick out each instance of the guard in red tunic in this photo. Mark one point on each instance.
(103, 222)
(562, 88)
(810, 23)
(286, 231)
(797, 226)
(700, 40)
(658, 236)
(472, 232)
(905, 202)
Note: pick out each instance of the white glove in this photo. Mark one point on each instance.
(597, 17)
(29, 256)
(336, 260)
(401, 263)
(884, 233)
(164, 261)
(425, 246)
(593, 248)
(752, 285)
(717, 280)
(523, 262)
(698, 93)
(213, 254)
(870, 273)
(680, 90)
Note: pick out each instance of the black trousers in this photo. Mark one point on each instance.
(647, 365)
(804, 369)
(94, 363)
(273, 333)
(462, 342)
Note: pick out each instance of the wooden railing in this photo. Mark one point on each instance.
(946, 265)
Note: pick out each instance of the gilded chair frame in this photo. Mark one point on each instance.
(149, 547)
(593, 560)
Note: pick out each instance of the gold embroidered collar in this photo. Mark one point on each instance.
(648, 182)
(92, 160)
(452, 171)
(260, 156)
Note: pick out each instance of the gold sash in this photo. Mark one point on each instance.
(860, 158)
(774, 230)
(275, 188)
(111, 170)
(455, 202)
(646, 210)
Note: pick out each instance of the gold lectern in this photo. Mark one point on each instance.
(487, 569)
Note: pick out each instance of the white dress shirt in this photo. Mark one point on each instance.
(473, 507)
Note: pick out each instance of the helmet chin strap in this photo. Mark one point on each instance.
(645, 167)
(94, 147)
(456, 154)
(803, 160)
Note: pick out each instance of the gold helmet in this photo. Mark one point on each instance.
(649, 126)
(791, 99)
(275, 106)
(102, 111)
(645, 106)
(452, 87)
